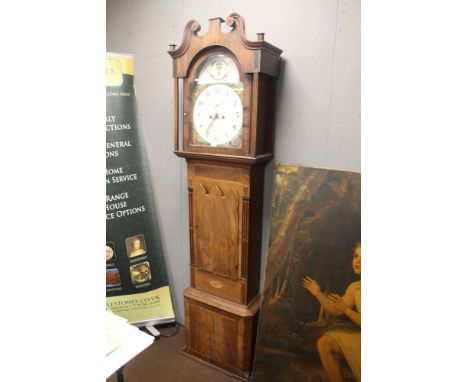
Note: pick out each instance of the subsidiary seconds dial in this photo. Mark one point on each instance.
(217, 115)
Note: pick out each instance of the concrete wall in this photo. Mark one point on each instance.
(318, 116)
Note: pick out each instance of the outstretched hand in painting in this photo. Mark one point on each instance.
(338, 343)
(333, 303)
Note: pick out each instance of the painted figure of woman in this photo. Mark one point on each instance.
(137, 249)
(341, 342)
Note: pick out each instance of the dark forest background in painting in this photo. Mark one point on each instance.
(316, 222)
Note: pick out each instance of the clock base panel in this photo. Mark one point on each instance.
(221, 332)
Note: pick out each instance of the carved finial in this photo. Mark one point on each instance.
(260, 36)
(191, 28)
(235, 20)
(217, 20)
(195, 27)
(230, 22)
(215, 24)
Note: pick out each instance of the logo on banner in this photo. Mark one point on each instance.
(113, 72)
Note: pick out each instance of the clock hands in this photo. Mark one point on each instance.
(211, 125)
(212, 122)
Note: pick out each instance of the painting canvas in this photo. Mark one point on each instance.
(310, 317)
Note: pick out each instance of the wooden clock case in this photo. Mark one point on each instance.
(225, 190)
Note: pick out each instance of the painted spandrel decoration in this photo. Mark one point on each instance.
(310, 318)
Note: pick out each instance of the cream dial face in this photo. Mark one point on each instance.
(217, 115)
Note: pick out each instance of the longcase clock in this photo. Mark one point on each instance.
(226, 115)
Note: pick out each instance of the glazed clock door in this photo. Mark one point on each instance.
(216, 99)
(217, 104)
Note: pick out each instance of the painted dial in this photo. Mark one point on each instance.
(217, 115)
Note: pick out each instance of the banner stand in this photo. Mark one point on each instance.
(137, 286)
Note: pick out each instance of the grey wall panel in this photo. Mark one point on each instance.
(318, 116)
(344, 130)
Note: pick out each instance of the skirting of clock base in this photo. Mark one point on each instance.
(210, 365)
(220, 332)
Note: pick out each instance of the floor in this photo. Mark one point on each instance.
(163, 361)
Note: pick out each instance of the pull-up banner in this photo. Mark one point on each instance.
(137, 286)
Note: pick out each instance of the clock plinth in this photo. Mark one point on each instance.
(221, 332)
(227, 109)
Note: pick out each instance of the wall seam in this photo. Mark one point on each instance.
(186, 273)
(332, 85)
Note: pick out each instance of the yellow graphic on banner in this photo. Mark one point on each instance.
(116, 66)
(113, 72)
(140, 307)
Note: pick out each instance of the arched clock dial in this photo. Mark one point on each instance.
(217, 115)
(217, 105)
